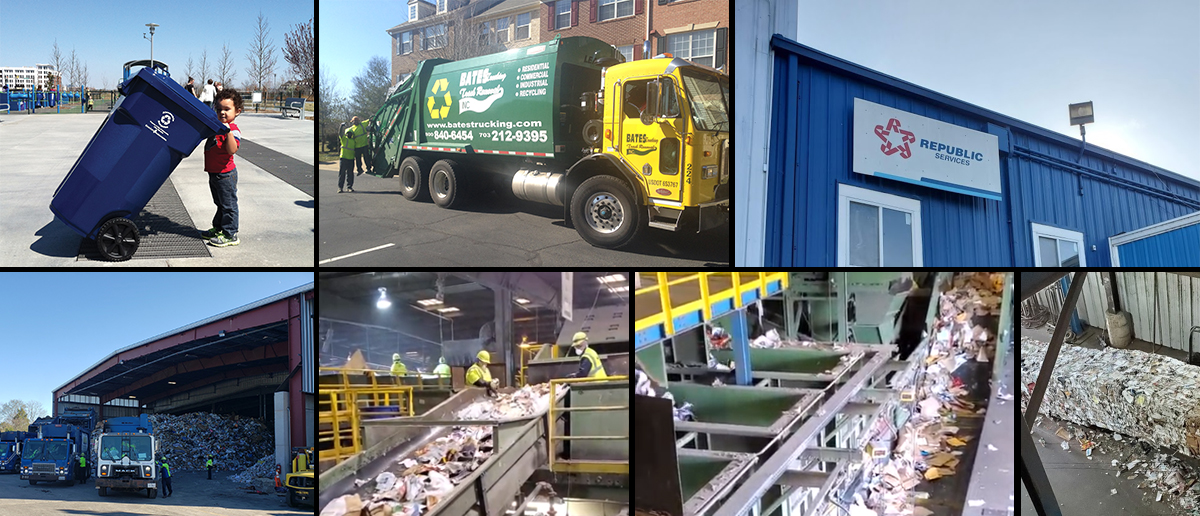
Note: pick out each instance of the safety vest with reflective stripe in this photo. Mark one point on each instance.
(347, 144)
(360, 134)
(477, 372)
(597, 367)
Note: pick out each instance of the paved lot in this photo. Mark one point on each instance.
(488, 231)
(37, 151)
(193, 495)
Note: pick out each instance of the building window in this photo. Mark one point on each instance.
(435, 37)
(404, 76)
(562, 14)
(441, 6)
(523, 26)
(626, 51)
(485, 33)
(412, 11)
(502, 29)
(406, 43)
(877, 229)
(1057, 247)
(698, 47)
(610, 9)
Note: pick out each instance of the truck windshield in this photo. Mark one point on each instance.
(708, 95)
(137, 447)
(46, 450)
(33, 450)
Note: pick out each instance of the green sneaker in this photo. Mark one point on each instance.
(212, 232)
(223, 240)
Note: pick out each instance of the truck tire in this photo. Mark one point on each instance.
(414, 178)
(32, 482)
(151, 493)
(443, 183)
(604, 212)
(103, 491)
(291, 497)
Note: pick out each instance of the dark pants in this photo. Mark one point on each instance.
(210, 472)
(166, 486)
(224, 193)
(361, 155)
(346, 173)
(80, 474)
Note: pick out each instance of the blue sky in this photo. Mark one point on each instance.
(58, 324)
(351, 32)
(107, 35)
(1138, 62)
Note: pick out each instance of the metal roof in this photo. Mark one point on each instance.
(241, 309)
(829, 61)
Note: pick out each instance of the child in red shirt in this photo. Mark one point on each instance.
(222, 173)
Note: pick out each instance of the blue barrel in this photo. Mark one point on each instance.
(154, 126)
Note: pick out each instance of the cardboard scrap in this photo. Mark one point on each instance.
(932, 474)
(954, 441)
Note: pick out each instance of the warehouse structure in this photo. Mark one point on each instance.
(865, 169)
(1108, 377)
(255, 360)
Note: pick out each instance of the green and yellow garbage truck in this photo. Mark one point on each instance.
(621, 146)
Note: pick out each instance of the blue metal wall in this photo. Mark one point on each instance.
(1044, 180)
(1177, 248)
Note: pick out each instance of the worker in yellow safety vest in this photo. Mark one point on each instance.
(361, 144)
(589, 363)
(478, 375)
(346, 163)
(398, 368)
(442, 369)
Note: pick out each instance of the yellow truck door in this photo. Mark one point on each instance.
(652, 144)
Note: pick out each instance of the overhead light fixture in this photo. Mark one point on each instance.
(447, 309)
(622, 288)
(383, 300)
(172, 383)
(611, 279)
(429, 302)
(221, 334)
(133, 397)
(521, 301)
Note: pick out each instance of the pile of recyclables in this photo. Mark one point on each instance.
(234, 441)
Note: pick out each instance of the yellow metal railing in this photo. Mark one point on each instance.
(741, 282)
(528, 352)
(339, 426)
(376, 377)
(583, 466)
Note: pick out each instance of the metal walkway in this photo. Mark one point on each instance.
(166, 229)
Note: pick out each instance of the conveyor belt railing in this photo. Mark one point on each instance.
(683, 306)
(418, 381)
(584, 465)
(339, 425)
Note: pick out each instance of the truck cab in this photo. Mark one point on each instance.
(52, 455)
(10, 451)
(126, 451)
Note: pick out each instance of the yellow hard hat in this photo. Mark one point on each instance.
(484, 357)
(578, 337)
(395, 356)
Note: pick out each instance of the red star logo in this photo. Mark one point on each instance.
(887, 147)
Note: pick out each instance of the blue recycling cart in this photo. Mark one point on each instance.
(151, 129)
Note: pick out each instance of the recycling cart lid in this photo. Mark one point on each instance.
(180, 96)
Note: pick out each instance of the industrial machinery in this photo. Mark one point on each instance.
(127, 449)
(872, 301)
(300, 481)
(53, 452)
(621, 146)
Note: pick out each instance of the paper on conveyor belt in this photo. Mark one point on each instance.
(1134, 393)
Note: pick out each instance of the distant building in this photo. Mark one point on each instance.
(26, 77)
(696, 30)
(692, 29)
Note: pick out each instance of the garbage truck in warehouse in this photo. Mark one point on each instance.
(53, 454)
(125, 456)
(10, 450)
(620, 146)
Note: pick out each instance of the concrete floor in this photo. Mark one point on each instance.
(36, 152)
(1083, 487)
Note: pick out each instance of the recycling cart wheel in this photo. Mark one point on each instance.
(605, 213)
(414, 178)
(443, 183)
(117, 239)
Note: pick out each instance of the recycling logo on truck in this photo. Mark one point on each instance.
(439, 112)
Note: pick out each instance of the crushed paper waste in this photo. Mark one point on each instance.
(234, 441)
(524, 402)
(264, 468)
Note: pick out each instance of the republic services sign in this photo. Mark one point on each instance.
(905, 147)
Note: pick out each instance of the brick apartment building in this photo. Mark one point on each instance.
(461, 29)
(692, 29)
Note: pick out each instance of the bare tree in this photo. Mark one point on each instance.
(203, 68)
(329, 107)
(190, 67)
(17, 414)
(72, 71)
(225, 72)
(83, 76)
(299, 51)
(56, 58)
(262, 56)
(370, 88)
(104, 81)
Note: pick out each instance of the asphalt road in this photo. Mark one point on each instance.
(193, 495)
(487, 231)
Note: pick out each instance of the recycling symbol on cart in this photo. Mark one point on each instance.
(439, 85)
(887, 148)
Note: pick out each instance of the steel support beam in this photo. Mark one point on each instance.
(828, 485)
(739, 332)
(743, 500)
(528, 284)
(503, 312)
(1037, 484)
(1060, 332)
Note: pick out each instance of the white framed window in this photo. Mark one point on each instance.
(1057, 247)
(441, 6)
(412, 11)
(610, 9)
(406, 45)
(699, 47)
(485, 33)
(626, 51)
(876, 229)
(562, 14)
(502, 29)
(522, 26)
(435, 37)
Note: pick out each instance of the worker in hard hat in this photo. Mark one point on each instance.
(719, 338)
(442, 369)
(398, 368)
(479, 376)
(589, 363)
